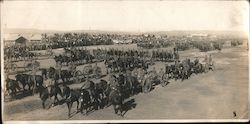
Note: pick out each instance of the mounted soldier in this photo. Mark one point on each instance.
(49, 83)
(88, 85)
(161, 73)
(59, 69)
(114, 84)
(196, 61)
(97, 71)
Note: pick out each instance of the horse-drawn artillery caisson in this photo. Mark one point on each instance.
(146, 80)
(65, 74)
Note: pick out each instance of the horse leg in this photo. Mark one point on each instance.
(87, 108)
(43, 103)
(81, 108)
(69, 104)
(115, 109)
(121, 109)
(107, 71)
(56, 99)
(14, 92)
(77, 105)
(24, 87)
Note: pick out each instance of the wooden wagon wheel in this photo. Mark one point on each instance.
(87, 70)
(164, 80)
(76, 75)
(28, 67)
(147, 85)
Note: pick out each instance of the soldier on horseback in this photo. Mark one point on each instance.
(96, 71)
(160, 73)
(49, 83)
(113, 81)
(58, 69)
(196, 61)
(87, 86)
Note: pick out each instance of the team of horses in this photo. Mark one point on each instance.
(17, 55)
(74, 55)
(101, 93)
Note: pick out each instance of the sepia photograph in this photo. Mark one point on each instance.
(123, 61)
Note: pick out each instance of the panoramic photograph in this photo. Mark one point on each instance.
(124, 61)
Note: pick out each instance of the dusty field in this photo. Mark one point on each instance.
(214, 95)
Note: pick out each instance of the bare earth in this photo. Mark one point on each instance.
(213, 95)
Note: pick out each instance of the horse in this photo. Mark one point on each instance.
(108, 65)
(90, 87)
(198, 68)
(71, 96)
(44, 73)
(12, 86)
(44, 93)
(53, 73)
(133, 84)
(85, 101)
(115, 98)
(26, 79)
(102, 91)
(66, 75)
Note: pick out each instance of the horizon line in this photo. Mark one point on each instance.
(127, 31)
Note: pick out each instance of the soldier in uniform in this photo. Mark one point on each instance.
(87, 86)
(96, 71)
(72, 67)
(160, 73)
(33, 73)
(58, 69)
(196, 61)
(206, 59)
(167, 67)
(210, 61)
(114, 84)
(135, 72)
(49, 83)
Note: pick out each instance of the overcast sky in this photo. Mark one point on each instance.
(126, 15)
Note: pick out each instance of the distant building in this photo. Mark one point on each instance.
(198, 35)
(35, 38)
(9, 39)
(17, 39)
(21, 41)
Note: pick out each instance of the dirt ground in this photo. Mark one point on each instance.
(213, 95)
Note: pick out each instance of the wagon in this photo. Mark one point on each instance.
(149, 80)
(28, 66)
